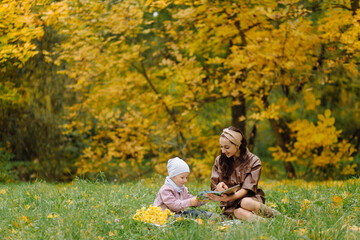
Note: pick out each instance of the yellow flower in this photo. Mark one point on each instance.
(305, 204)
(16, 224)
(179, 218)
(3, 191)
(53, 215)
(271, 204)
(26, 219)
(337, 200)
(27, 206)
(223, 227)
(153, 215)
(199, 220)
(285, 200)
(302, 231)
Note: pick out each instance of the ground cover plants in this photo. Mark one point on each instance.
(103, 210)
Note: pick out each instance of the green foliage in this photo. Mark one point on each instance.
(6, 172)
(33, 96)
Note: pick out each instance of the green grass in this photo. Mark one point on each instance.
(87, 210)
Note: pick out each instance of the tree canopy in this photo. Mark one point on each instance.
(122, 86)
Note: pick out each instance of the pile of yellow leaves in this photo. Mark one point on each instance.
(153, 215)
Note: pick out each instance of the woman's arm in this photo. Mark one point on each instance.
(225, 198)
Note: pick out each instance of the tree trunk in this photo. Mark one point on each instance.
(354, 6)
(281, 132)
(237, 111)
(282, 135)
(252, 137)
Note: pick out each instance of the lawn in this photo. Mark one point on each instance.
(101, 210)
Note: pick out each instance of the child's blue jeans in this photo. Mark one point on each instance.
(193, 213)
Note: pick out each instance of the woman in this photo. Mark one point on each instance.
(237, 165)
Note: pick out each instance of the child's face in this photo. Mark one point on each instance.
(180, 179)
(228, 148)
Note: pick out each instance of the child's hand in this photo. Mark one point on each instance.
(194, 201)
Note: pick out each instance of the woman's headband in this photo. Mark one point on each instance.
(233, 136)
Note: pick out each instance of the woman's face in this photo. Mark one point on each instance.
(228, 148)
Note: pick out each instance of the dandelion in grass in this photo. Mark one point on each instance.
(26, 219)
(301, 231)
(153, 215)
(53, 215)
(223, 227)
(15, 224)
(285, 200)
(271, 204)
(199, 220)
(337, 201)
(305, 204)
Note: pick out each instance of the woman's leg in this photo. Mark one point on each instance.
(250, 204)
(244, 214)
(260, 208)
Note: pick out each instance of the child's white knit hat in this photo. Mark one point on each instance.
(176, 166)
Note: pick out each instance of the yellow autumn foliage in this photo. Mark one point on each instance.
(317, 145)
(154, 79)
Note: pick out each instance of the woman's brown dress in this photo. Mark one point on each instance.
(246, 175)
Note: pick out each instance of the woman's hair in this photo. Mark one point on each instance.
(227, 164)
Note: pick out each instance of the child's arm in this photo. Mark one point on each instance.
(173, 203)
(195, 202)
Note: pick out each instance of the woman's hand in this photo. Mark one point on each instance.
(226, 198)
(221, 187)
(222, 198)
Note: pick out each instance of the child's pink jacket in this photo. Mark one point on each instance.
(169, 198)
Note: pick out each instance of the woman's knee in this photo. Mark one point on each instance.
(241, 213)
(248, 204)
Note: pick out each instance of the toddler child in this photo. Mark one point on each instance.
(173, 195)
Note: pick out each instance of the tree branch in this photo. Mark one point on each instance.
(142, 70)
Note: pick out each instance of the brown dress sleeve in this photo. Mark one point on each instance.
(252, 174)
(215, 174)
